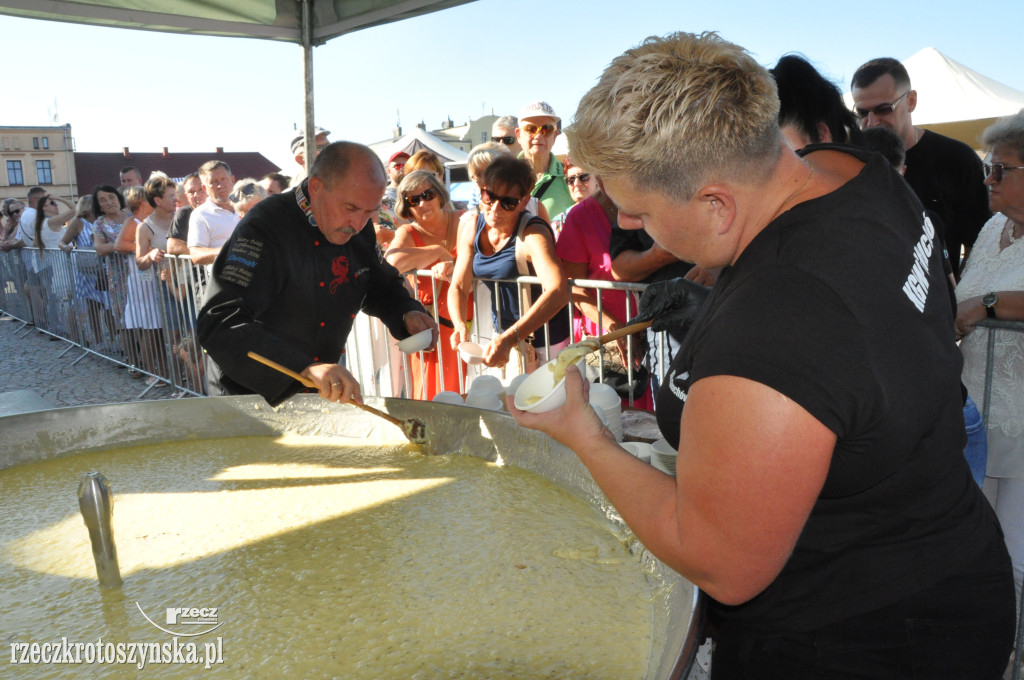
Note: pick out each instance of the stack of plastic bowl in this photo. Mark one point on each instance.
(641, 450)
(485, 392)
(514, 384)
(606, 402)
(663, 456)
(447, 397)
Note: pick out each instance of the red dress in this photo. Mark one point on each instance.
(426, 374)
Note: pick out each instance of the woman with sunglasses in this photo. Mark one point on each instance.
(245, 194)
(504, 235)
(992, 287)
(581, 185)
(428, 242)
(11, 216)
(113, 214)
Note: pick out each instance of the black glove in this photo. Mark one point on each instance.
(673, 304)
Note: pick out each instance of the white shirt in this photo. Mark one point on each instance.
(210, 225)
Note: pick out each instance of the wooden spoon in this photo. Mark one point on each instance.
(414, 429)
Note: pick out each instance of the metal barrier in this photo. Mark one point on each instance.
(482, 331)
(145, 319)
(108, 307)
(991, 326)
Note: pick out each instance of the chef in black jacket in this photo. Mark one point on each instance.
(290, 280)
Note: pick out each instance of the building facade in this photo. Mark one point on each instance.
(37, 156)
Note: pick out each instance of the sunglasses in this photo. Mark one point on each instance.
(531, 129)
(508, 141)
(582, 178)
(51, 203)
(506, 202)
(996, 170)
(880, 110)
(12, 213)
(428, 195)
(397, 166)
(245, 191)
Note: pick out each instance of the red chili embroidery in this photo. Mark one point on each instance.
(339, 267)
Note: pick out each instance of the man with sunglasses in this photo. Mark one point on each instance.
(503, 131)
(538, 128)
(945, 173)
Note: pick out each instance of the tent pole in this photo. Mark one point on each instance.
(307, 78)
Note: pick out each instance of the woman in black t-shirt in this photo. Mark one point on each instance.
(821, 497)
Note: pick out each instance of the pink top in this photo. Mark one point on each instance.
(584, 238)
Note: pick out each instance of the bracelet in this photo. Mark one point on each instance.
(518, 342)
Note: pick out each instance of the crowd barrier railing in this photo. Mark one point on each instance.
(144, 319)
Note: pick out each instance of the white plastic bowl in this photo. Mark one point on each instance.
(541, 383)
(514, 384)
(448, 398)
(417, 342)
(486, 383)
(604, 396)
(641, 450)
(471, 353)
(485, 400)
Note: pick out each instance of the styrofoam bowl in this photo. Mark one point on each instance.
(471, 353)
(641, 450)
(485, 400)
(514, 384)
(416, 342)
(604, 396)
(448, 397)
(539, 392)
(486, 383)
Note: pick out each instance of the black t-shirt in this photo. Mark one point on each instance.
(179, 224)
(947, 176)
(622, 240)
(840, 304)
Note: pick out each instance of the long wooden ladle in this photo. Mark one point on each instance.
(414, 429)
(598, 342)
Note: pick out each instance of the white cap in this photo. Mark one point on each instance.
(537, 109)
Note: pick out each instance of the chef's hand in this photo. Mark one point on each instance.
(574, 424)
(416, 322)
(334, 382)
(673, 304)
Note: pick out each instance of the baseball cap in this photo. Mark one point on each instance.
(538, 109)
(397, 154)
(299, 140)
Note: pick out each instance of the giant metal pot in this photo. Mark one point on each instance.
(458, 430)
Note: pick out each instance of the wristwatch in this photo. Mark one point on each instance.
(989, 300)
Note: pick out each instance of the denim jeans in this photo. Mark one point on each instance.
(976, 450)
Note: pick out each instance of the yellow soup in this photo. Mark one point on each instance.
(306, 557)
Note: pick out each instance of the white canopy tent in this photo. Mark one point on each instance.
(305, 22)
(417, 139)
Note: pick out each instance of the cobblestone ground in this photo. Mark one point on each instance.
(32, 360)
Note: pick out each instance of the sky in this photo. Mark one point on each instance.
(147, 90)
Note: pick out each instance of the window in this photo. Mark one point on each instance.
(14, 175)
(46, 142)
(44, 174)
(35, 142)
(484, 136)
